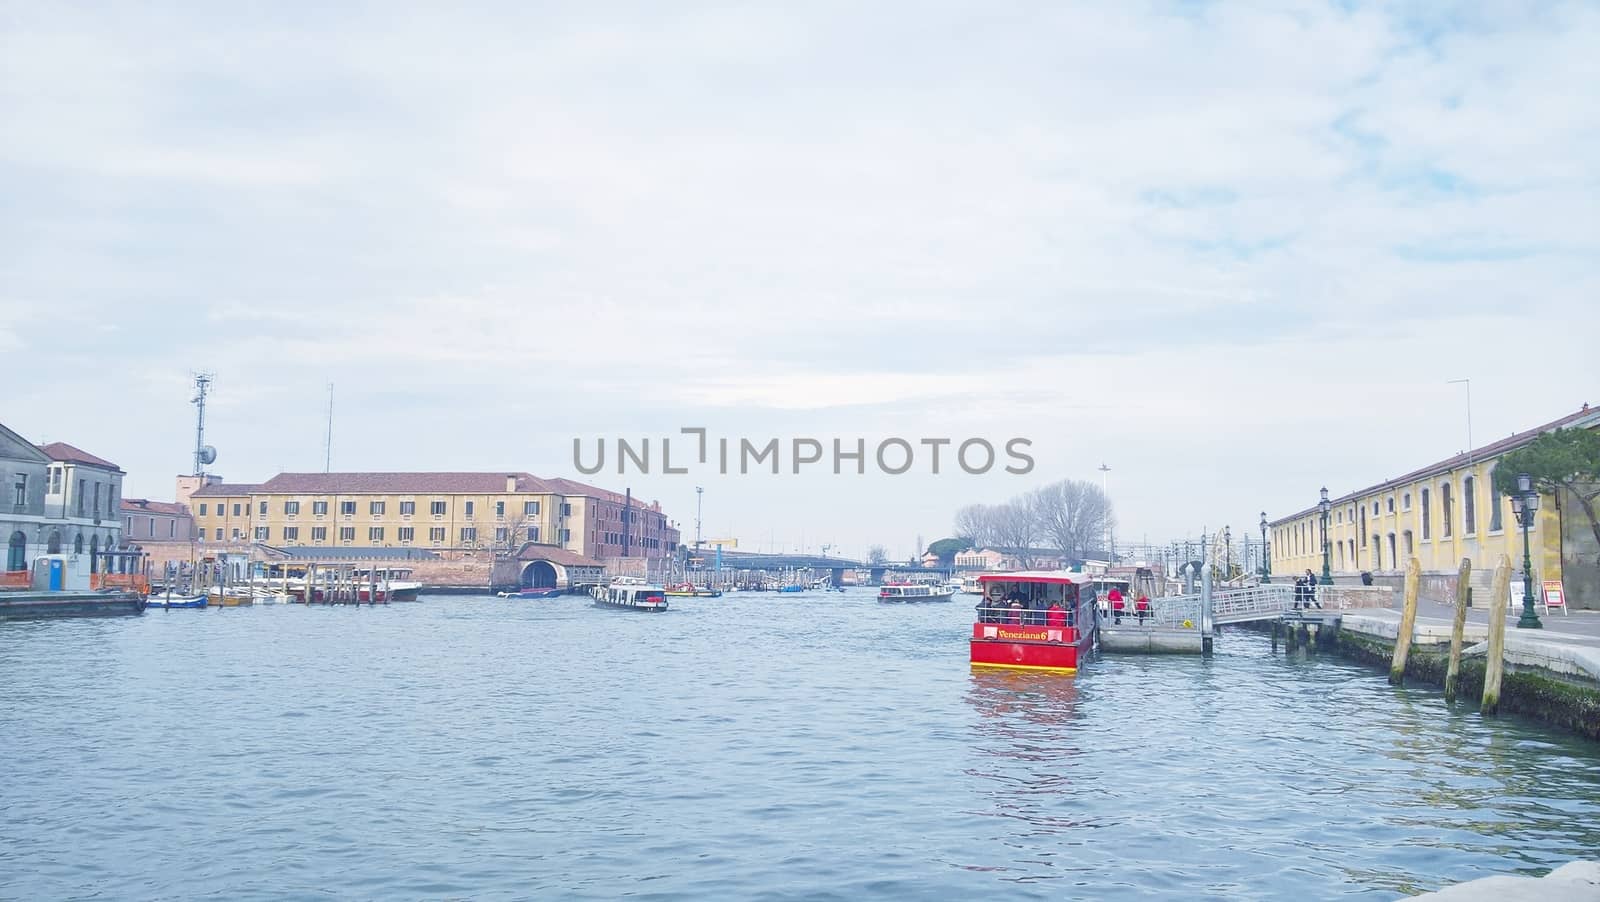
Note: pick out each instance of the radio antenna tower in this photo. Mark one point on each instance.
(327, 442)
(203, 453)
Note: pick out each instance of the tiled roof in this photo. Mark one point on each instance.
(61, 451)
(399, 483)
(146, 506)
(1584, 416)
(225, 489)
(555, 555)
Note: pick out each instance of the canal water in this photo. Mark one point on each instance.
(818, 746)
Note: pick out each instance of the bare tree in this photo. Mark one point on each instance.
(877, 556)
(975, 525)
(1074, 515)
(1017, 528)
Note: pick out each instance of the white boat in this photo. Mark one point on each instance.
(393, 584)
(911, 594)
(969, 585)
(631, 594)
(954, 585)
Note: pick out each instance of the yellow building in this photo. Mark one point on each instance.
(441, 512)
(1440, 514)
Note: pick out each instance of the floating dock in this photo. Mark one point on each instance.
(35, 605)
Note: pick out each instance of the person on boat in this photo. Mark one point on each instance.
(1117, 604)
(1054, 616)
(1014, 613)
(1141, 608)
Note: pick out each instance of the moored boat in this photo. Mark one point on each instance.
(690, 590)
(532, 593)
(217, 597)
(175, 601)
(910, 593)
(969, 585)
(1034, 620)
(632, 595)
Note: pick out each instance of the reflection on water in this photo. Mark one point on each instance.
(734, 747)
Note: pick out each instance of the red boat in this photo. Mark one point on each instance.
(1034, 620)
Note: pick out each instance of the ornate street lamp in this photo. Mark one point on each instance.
(1266, 552)
(1327, 552)
(1525, 504)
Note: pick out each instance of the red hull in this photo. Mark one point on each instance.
(1053, 648)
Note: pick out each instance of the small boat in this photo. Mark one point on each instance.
(631, 595)
(969, 585)
(393, 584)
(954, 585)
(176, 601)
(690, 590)
(911, 593)
(229, 598)
(791, 588)
(532, 593)
(1034, 620)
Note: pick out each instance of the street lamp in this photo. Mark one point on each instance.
(1266, 552)
(1525, 504)
(1327, 556)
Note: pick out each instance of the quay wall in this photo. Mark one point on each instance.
(1563, 700)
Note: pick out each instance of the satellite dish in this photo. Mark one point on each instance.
(208, 455)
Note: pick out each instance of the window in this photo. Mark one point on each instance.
(469, 510)
(1405, 501)
(347, 508)
(263, 508)
(533, 533)
(407, 508)
(1446, 502)
(1394, 559)
(407, 533)
(21, 489)
(375, 534)
(566, 510)
(347, 533)
(219, 534)
(437, 508)
(1469, 507)
(1411, 545)
(291, 533)
(1363, 527)
(1377, 553)
(319, 533)
(1374, 508)
(172, 529)
(375, 508)
(83, 491)
(202, 509)
(469, 534)
(236, 510)
(501, 534)
(1338, 516)
(1427, 530)
(263, 533)
(55, 480)
(566, 535)
(499, 508)
(235, 534)
(319, 508)
(1495, 506)
(1391, 504)
(530, 508)
(436, 534)
(291, 508)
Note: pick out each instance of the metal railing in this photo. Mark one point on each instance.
(1022, 616)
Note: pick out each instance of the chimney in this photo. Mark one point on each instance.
(511, 482)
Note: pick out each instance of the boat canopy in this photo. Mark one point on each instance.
(1067, 577)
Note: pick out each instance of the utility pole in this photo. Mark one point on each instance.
(699, 495)
(1468, 384)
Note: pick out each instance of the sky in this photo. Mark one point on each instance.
(1233, 252)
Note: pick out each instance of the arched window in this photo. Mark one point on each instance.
(54, 545)
(1448, 505)
(1411, 545)
(1469, 507)
(1394, 557)
(1377, 553)
(94, 553)
(77, 544)
(1427, 513)
(17, 552)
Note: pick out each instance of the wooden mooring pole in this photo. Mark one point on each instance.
(1458, 629)
(1495, 666)
(1408, 622)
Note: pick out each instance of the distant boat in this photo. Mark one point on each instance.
(632, 595)
(791, 588)
(908, 594)
(532, 593)
(690, 590)
(176, 601)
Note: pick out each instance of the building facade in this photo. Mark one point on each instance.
(1440, 514)
(59, 499)
(147, 522)
(443, 512)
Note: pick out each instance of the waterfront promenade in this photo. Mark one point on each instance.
(1568, 644)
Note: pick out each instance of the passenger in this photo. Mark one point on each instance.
(1117, 604)
(1014, 613)
(1141, 607)
(1311, 590)
(1055, 616)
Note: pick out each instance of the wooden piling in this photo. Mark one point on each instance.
(1452, 673)
(1408, 622)
(1275, 625)
(1495, 666)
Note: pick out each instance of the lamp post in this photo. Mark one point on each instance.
(1525, 504)
(1327, 557)
(1266, 552)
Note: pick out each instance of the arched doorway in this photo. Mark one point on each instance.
(17, 552)
(77, 544)
(94, 554)
(54, 546)
(539, 575)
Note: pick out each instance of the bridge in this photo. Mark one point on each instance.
(750, 560)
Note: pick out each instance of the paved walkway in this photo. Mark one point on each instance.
(1568, 643)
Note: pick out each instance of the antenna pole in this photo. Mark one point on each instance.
(202, 384)
(327, 442)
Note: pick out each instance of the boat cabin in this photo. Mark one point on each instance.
(914, 592)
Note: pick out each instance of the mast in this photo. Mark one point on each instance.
(202, 386)
(327, 441)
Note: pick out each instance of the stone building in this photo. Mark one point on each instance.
(59, 499)
(1439, 514)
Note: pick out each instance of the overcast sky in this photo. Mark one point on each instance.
(1232, 251)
